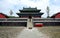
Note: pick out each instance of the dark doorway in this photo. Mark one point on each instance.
(30, 17)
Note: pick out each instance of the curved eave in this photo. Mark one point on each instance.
(20, 14)
(29, 10)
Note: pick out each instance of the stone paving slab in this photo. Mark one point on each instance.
(32, 33)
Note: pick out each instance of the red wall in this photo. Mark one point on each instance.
(57, 16)
(2, 16)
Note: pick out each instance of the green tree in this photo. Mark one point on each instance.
(11, 12)
(48, 10)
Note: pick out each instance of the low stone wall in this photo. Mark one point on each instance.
(13, 24)
(50, 23)
(25, 23)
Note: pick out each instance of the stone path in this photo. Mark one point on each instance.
(31, 33)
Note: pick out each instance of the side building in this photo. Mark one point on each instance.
(3, 15)
(57, 15)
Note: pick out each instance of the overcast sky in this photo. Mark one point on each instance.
(15, 5)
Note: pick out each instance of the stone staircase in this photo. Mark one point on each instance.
(29, 23)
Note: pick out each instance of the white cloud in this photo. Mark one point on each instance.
(54, 9)
(6, 5)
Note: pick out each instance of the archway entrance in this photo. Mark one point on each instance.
(30, 17)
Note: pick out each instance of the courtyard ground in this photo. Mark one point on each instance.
(36, 32)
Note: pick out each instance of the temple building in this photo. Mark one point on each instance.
(30, 12)
(57, 15)
(3, 15)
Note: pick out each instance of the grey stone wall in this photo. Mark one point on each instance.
(50, 23)
(13, 24)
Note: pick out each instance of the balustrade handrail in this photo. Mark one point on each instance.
(46, 18)
(34, 19)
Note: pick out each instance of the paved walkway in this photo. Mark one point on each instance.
(31, 33)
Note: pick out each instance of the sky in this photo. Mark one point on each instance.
(16, 5)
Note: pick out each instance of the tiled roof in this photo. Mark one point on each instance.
(55, 14)
(4, 15)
